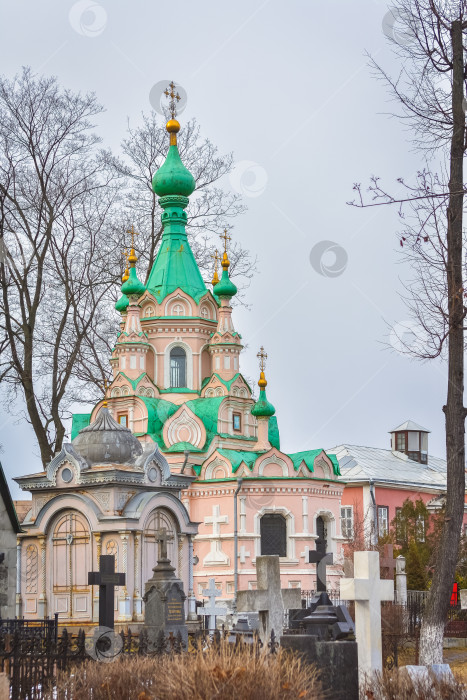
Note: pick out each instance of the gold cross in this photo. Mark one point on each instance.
(262, 357)
(173, 96)
(133, 233)
(216, 259)
(226, 238)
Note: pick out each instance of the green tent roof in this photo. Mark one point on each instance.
(79, 421)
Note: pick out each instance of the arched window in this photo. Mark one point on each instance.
(177, 367)
(273, 530)
(321, 531)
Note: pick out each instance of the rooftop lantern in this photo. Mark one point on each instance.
(411, 439)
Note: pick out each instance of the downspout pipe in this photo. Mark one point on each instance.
(239, 486)
(375, 514)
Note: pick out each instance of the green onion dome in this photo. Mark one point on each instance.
(122, 303)
(172, 177)
(133, 287)
(225, 288)
(262, 408)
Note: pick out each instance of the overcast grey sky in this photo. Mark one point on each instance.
(286, 87)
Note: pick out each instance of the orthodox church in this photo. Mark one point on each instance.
(179, 442)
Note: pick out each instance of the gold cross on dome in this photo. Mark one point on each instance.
(215, 258)
(262, 357)
(226, 238)
(174, 98)
(132, 233)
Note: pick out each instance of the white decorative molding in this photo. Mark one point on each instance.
(184, 426)
(216, 555)
(273, 460)
(217, 462)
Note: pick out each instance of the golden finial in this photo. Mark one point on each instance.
(106, 384)
(225, 259)
(172, 126)
(132, 259)
(262, 357)
(215, 277)
(126, 274)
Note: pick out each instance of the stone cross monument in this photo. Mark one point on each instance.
(367, 590)
(270, 600)
(210, 609)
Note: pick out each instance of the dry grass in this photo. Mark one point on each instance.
(225, 673)
(394, 685)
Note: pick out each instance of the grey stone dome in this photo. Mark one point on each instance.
(107, 442)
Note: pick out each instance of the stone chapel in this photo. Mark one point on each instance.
(178, 442)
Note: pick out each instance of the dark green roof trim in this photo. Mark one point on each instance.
(309, 457)
(227, 383)
(178, 390)
(183, 446)
(228, 436)
(78, 422)
(177, 318)
(270, 478)
(134, 382)
(236, 457)
(273, 433)
(8, 502)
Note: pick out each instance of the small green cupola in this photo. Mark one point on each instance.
(225, 287)
(173, 178)
(262, 408)
(132, 285)
(122, 303)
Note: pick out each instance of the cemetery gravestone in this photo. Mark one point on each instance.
(367, 590)
(401, 581)
(165, 598)
(210, 609)
(270, 600)
(321, 559)
(106, 578)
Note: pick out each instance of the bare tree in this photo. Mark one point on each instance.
(55, 201)
(64, 208)
(430, 91)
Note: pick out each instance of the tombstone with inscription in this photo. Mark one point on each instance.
(164, 598)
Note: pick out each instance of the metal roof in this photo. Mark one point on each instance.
(358, 463)
(410, 425)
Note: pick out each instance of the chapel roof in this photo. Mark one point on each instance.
(104, 441)
(358, 463)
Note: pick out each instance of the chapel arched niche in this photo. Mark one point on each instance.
(159, 518)
(71, 554)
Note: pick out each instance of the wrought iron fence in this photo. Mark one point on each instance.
(33, 662)
(46, 628)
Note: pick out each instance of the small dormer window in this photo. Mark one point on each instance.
(237, 422)
(411, 439)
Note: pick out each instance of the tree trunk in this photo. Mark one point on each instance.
(434, 618)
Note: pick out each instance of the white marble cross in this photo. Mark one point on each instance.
(304, 554)
(367, 590)
(243, 554)
(211, 609)
(216, 520)
(270, 600)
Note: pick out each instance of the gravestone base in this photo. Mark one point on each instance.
(337, 663)
(165, 605)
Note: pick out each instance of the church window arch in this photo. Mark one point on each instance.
(219, 391)
(273, 532)
(177, 367)
(209, 393)
(116, 392)
(125, 391)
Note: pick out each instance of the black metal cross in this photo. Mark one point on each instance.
(106, 578)
(321, 559)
